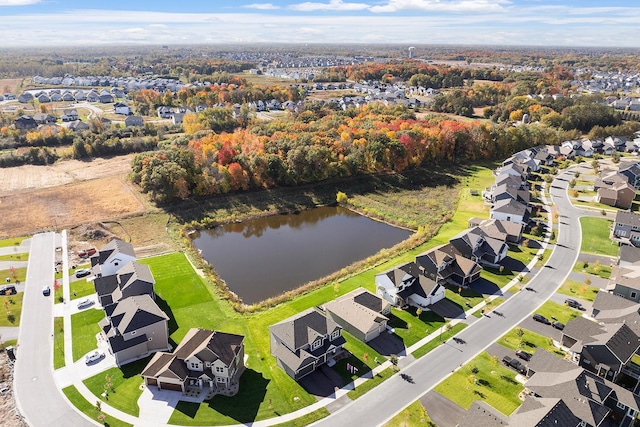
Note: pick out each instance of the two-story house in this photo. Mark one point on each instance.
(479, 247)
(132, 279)
(208, 361)
(511, 210)
(506, 231)
(361, 313)
(632, 172)
(305, 341)
(112, 257)
(134, 327)
(626, 228)
(445, 264)
(620, 195)
(406, 284)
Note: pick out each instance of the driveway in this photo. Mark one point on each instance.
(447, 309)
(322, 382)
(387, 344)
(541, 328)
(442, 411)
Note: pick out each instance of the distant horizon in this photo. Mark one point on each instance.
(508, 23)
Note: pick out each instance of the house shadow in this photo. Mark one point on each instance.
(485, 287)
(447, 309)
(324, 381)
(173, 325)
(244, 406)
(514, 266)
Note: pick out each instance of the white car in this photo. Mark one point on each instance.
(85, 303)
(93, 356)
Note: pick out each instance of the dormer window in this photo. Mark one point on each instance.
(316, 344)
(335, 334)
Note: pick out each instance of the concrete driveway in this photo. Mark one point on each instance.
(541, 328)
(442, 411)
(388, 344)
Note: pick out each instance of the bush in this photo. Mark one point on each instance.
(342, 197)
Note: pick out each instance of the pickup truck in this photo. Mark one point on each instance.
(515, 364)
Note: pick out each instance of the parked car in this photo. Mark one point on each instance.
(46, 290)
(558, 325)
(81, 272)
(515, 364)
(523, 355)
(93, 356)
(8, 290)
(86, 253)
(540, 318)
(85, 303)
(573, 304)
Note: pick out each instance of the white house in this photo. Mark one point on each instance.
(112, 257)
(122, 108)
(510, 210)
(406, 285)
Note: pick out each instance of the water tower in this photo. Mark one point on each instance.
(411, 51)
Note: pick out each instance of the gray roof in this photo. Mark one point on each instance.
(543, 361)
(303, 328)
(135, 312)
(480, 414)
(357, 315)
(544, 412)
(209, 346)
(114, 246)
(629, 254)
(627, 218)
(510, 206)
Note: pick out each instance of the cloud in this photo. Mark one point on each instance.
(18, 2)
(334, 5)
(261, 6)
(442, 6)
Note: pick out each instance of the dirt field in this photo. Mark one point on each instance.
(62, 206)
(23, 178)
(9, 85)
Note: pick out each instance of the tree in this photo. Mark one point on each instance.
(191, 123)
(520, 335)
(572, 183)
(341, 198)
(394, 361)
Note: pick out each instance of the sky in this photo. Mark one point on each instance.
(40, 23)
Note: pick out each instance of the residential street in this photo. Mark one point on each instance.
(382, 403)
(33, 377)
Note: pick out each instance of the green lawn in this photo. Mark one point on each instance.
(363, 357)
(595, 236)
(412, 415)
(307, 419)
(594, 268)
(81, 288)
(11, 309)
(529, 342)
(89, 409)
(462, 296)
(493, 383)
(488, 307)
(12, 241)
(23, 256)
(578, 290)
(58, 342)
(369, 384)
(410, 328)
(561, 312)
(84, 327)
(437, 341)
(125, 386)
(18, 275)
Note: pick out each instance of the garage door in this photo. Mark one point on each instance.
(169, 386)
(152, 381)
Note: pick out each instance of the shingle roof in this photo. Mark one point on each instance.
(629, 254)
(627, 218)
(360, 317)
(303, 328)
(133, 313)
(544, 412)
(510, 206)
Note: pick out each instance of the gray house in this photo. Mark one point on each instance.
(361, 313)
(626, 228)
(132, 279)
(133, 121)
(632, 173)
(305, 341)
(625, 281)
(134, 328)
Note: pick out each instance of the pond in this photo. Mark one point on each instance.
(267, 256)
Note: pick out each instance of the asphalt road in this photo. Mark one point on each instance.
(380, 404)
(37, 395)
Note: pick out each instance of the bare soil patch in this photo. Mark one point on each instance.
(65, 205)
(18, 179)
(9, 85)
(8, 413)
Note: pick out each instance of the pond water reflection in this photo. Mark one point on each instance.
(267, 256)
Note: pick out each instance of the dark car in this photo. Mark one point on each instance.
(558, 325)
(8, 290)
(523, 355)
(573, 304)
(515, 364)
(83, 272)
(540, 318)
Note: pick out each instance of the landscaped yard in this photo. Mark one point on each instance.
(594, 268)
(81, 288)
(124, 390)
(89, 409)
(17, 274)
(446, 334)
(12, 241)
(562, 313)
(23, 256)
(84, 328)
(595, 236)
(58, 342)
(492, 383)
(11, 309)
(529, 342)
(462, 296)
(412, 415)
(412, 329)
(578, 290)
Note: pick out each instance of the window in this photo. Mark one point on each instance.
(621, 405)
(219, 369)
(133, 332)
(221, 379)
(194, 365)
(508, 218)
(315, 344)
(335, 334)
(633, 294)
